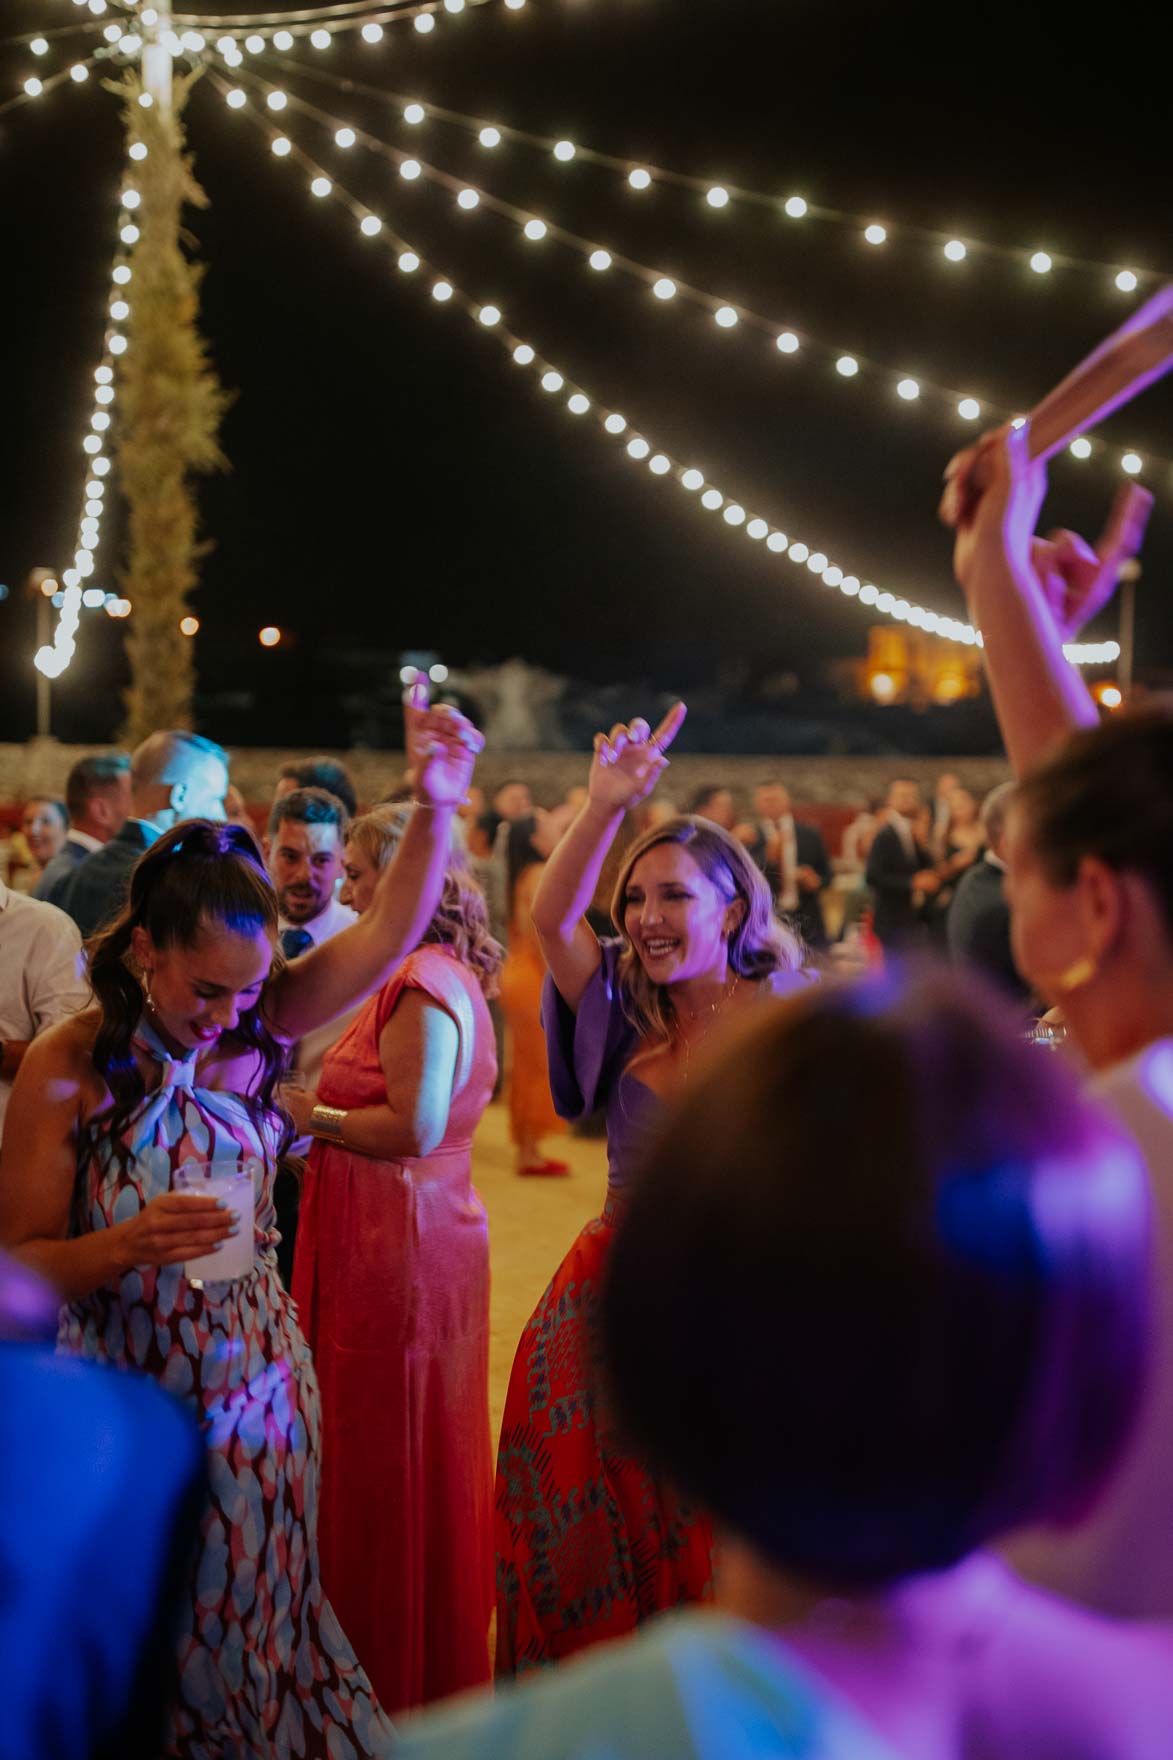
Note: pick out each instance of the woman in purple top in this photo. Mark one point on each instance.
(589, 1542)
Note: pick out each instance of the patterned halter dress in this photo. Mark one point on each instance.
(264, 1669)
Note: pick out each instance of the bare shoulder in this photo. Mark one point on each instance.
(68, 1046)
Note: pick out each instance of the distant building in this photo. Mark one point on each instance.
(907, 666)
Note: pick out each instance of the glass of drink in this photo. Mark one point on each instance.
(235, 1184)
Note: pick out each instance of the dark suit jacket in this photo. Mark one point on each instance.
(978, 926)
(810, 852)
(58, 873)
(889, 874)
(98, 886)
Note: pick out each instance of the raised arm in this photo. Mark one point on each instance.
(342, 972)
(1030, 595)
(625, 769)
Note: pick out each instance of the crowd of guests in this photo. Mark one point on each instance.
(845, 1431)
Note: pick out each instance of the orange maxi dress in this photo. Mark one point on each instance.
(391, 1279)
(531, 1105)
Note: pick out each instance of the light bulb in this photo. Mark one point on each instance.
(138, 151)
(788, 342)
(39, 46)
(345, 137)
(104, 375)
(321, 39)
(101, 467)
(236, 99)
(370, 225)
(93, 597)
(442, 292)
(131, 199)
(276, 100)
(565, 151)
(409, 262)
(717, 197)
(270, 636)
(254, 44)
(692, 480)
(734, 515)
(1081, 448)
(969, 409)
(726, 317)
(33, 87)
(282, 147)
(468, 199)
(817, 562)
(283, 40)
(410, 169)
(514, 5)
(113, 33)
(868, 594)
(372, 33)
(232, 56)
(600, 260)
(777, 542)
(832, 577)
(119, 311)
(93, 509)
(799, 552)
(122, 275)
(850, 585)
(145, 100)
(847, 365)
(664, 288)
(321, 186)
(909, 390)
(639, 178)
(615, 424)
(523, 354)
(757, 530)
(876, 234)
(1126, 281)
(712, 499)
(1133, 463)
(91, 444)
(415, 114)
(955, 251)
(638, 449)
(79, 72)
(578, 404)
(488, 316)
(454, 5)
(95, 490)
(438, 673)
(660, 464)
(490, 137)
(795, 207)
(1040, 263)
(535, 229)
(425, 23)
(117, 344)
(552, 381)
(189, 626)
(225, 45)
(193, 41)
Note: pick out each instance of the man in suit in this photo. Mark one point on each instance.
(899, 871)
(97, 796)
(978, 924)
(793, 858)
(173, 776)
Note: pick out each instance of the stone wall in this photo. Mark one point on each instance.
(41, 766)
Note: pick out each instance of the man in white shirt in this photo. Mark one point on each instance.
(42, 978)
(98, 798)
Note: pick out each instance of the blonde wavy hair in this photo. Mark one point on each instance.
(461, 922)
(760, 945)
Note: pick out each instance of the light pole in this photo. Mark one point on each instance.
(1129, 575)
(156, 58)
(41, 585)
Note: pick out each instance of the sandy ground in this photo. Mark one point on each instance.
(532, 1223)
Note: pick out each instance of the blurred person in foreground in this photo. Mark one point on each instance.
(42, 978)
(871, 1339)
(1089, 852)
(391, 1281)
(97, 797)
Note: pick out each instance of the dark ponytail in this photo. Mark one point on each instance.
(198, 873)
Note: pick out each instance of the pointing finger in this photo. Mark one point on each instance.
(670, 726)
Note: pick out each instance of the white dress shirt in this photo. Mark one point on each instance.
(42, 971)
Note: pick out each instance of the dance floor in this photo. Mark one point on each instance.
(532, 1222)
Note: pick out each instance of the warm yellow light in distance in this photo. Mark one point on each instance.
(189, 626)
(269, 636)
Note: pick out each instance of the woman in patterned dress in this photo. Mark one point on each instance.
(179, 1058)
(590, 1543)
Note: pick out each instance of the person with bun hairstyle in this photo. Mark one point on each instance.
(180, 1058)
(590, 1542)
(878, 1298)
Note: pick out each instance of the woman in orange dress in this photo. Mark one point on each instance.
(391, 1278)
(531, 1107)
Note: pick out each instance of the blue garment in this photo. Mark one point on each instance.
(691, 1686)
(98, 887)
(58, 871)
(102, 1480)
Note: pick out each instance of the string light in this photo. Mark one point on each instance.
(1081, 448)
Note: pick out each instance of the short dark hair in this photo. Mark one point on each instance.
(703, 796)
(90, 776)
(878, 1296)
(325, 773)
(309, 806)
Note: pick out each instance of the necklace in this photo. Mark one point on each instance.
(710, 1014)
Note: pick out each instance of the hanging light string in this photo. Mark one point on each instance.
(613, 425)
(77, 591)
(321, 23)
(641, 175)
(726, 314)
(36, 87)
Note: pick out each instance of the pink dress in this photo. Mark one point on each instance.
(391, 1279)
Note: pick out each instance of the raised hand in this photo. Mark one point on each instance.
(630, 760)
(442, 747)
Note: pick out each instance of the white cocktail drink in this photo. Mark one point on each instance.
(234, 1186)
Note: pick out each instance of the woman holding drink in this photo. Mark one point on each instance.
(178, 1062)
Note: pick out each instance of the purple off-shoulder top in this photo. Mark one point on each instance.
(588, 1055)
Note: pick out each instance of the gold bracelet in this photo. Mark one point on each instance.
(327, 1122)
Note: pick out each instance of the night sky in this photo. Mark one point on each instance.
(398, 484)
